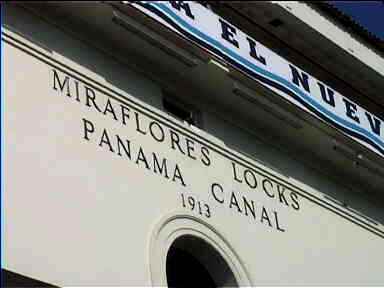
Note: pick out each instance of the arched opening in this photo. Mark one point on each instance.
(192, 262)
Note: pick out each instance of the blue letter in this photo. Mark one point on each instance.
(228, 33)
(181, 5)
(297, 78)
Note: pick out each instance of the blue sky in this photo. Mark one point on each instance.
(369, 14)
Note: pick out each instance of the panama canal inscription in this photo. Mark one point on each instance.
(237, 198)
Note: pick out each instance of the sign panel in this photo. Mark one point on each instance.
(201, 26)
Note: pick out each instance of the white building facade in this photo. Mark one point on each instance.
(182, 143)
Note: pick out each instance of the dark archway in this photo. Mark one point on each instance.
(192, 262)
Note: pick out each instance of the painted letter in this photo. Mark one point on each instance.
(228, 33)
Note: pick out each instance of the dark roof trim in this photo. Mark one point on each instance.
(348, 22)
(335, 13)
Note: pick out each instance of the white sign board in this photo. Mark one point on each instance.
(201, 26)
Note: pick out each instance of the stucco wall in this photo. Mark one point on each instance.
(79, 211)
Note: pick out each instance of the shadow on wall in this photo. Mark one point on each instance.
(66, 47)
(11, 279)
(334, 186)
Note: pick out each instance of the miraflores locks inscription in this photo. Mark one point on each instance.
(240, 200)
